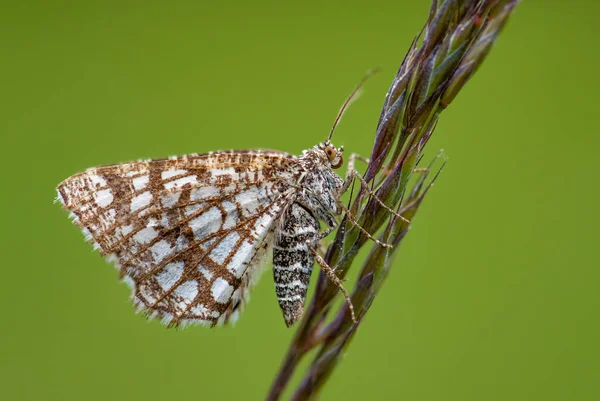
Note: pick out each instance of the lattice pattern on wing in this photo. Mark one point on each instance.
(187, 233)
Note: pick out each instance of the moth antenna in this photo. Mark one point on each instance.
(353, 96)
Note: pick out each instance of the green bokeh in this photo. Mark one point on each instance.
(495, 293)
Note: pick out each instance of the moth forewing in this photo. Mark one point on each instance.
(188, 233)
(185, 231)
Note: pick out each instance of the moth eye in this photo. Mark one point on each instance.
(331, 153)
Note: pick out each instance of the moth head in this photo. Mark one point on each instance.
(333, 154)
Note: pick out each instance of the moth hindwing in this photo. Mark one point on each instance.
(189, 234)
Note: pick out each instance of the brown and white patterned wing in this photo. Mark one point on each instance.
(186, 233)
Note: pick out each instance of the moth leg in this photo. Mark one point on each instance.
(332, 225)
(352, 173)
(362, 230)
(330, 273)
(355, 156)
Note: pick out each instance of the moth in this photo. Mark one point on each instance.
(189, 234)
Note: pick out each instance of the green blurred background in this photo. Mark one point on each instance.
(495, 292)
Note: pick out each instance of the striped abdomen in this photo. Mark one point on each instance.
(293, 261)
